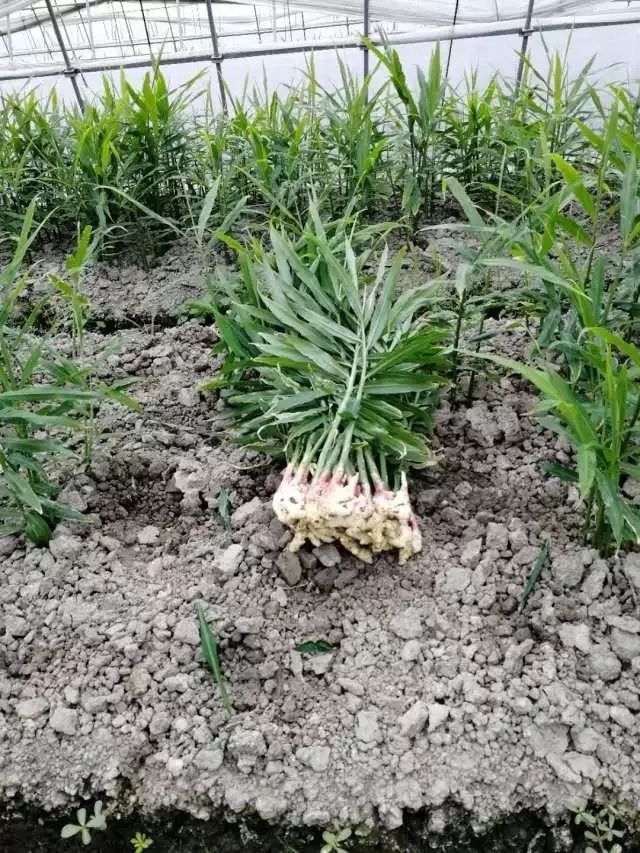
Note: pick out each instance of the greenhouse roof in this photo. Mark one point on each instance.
(52, 37)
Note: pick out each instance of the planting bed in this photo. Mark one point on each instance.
(439, 694)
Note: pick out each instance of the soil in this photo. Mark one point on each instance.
(173, 832)
(125, 295)
(445, 707)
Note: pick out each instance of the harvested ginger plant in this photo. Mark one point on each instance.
(334, 369)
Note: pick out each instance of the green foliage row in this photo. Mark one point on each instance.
(47, 401)
(139, 161)
(575, 250)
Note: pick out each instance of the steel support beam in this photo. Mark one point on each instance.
(216, 55)
(436, 34)
(69, 70)
(365, 56)
(453, 23)
(526, 32)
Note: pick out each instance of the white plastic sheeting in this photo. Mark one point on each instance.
(252, 35)
(443, 12)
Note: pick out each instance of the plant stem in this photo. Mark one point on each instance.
(456, 345)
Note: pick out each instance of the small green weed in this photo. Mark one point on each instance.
(224, 508)
(333, 840)
(83, 828)
(141, 842)
(209, 645)
(44, 398)
(541, 562)
(599, 823)
(314, 647)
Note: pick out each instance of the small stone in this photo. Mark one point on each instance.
(407, 764)
(326, 578)
(71, 695)
(315, 757)
(438, 714)
(471, 554)
(474, 692)
(631, 567)
(209, 759)
(190, 478)
(64, 721)
(237, 797)
(176, 683)
(350, 685)
(549, 739)
(308, 560)
(624, 623)
(457, 579)
(562, 769)
(247, 512)
(593, 584)
(149, 535)
(95, 704)
(407, 625)
(622, 716)
(438, 792)
(249, 624)
(345, 578)
(247, 743)
(268, 669)
(139, 680)
(160, 723)
(515, 655)
(30, 709)
(271, 806)
(604, 663)
(414, 720)
(586, 740)
(186, 631)
(289, 567)
(16, 626)
(155, 567)
(175, 766)
(295, 665)
(497, 536)
(625, 644)
(8, 545)
(320, 664)
(202, 734)
(527, 555)
(328, 555)
(508, 423)
(482, 426)
(568, 569)
(631, 488)
(411, 650)
(316, 817)
(230, 559)
(65, 547)
(353, 704)
(188, 398)
(586, 765)
(518, 537)
(576, 636)
(265, 540)
(368, 727)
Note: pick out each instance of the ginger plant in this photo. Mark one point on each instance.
(338, 371)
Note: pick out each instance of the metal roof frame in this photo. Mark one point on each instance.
(70, 67)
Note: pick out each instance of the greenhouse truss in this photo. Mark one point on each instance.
(52, 38)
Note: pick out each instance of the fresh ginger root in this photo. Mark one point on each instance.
(336, 507)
